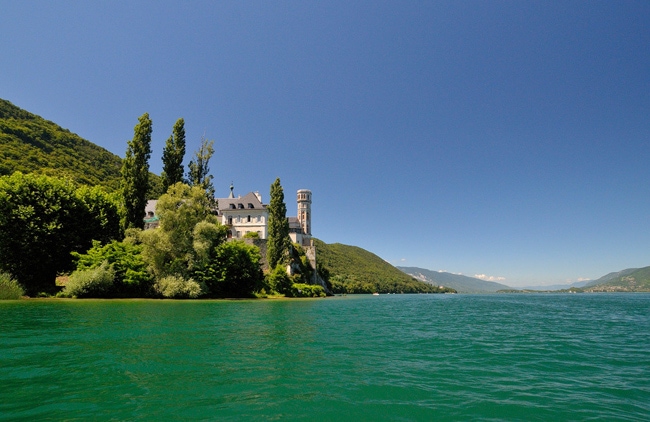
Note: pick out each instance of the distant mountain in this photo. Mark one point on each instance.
(355, 270)
(630, 280)
(460, 283)
(610, 277)
(31, 144)
(552, 287)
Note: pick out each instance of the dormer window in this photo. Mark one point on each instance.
(240, 206)
(232, 206)
(251, 206)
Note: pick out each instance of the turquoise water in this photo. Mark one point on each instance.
(390, 357)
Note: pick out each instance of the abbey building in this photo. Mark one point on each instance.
(246, 214)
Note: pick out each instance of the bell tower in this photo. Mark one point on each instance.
(304, 210)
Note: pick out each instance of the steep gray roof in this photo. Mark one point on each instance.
(246, 202)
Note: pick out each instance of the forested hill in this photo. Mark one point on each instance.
(31, 144)
(355, 270)
(630, 280)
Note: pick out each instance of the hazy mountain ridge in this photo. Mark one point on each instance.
(460, 283)
(552, 287)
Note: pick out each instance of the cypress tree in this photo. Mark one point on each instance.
(278, 236)
(173, 155)
(135, 173)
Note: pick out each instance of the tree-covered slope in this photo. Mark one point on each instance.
(609, 277)
(631, 280)
(355, 270)
(460, 283)
(31, 144)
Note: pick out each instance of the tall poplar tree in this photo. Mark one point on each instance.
(198, 173)
(173, 155)
(135, 173)
(278, 241)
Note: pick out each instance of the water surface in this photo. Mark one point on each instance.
(389, 357)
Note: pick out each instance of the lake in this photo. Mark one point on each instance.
(545, 357)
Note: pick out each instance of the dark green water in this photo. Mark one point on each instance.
(394, 357)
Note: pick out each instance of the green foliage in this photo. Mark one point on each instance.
(306, 290)
(173, 155)
(43, 220)
(31, 144)
(300, 264)
(131, 276)
(278, 240)
(169, 250)
(198, 173)
(234, 270)
(355, 270)
(9, 288)
(252, 235)
(278, 280)
(176, 287)
(135, 173)
(96, 282)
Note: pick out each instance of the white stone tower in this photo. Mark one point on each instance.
(304, 210)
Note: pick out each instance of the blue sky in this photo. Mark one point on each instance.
(505, 139)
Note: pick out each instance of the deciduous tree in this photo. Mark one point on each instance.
(199, 170)
(170, 250)
(43, 219)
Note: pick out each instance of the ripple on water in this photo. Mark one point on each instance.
(397, 357)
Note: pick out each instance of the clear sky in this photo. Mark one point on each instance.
(504, 139)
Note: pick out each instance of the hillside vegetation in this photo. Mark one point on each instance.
(31, 144)
(630, 280)
(355, 270)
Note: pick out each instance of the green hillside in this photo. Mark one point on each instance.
(355, 270)
(31, 144)
(609, 277)
(631, 280)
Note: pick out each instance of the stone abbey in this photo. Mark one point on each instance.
(246, 214)
(249, 214)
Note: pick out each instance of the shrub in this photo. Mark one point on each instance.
(306, 290)
(9, 288)
(175, 287)
(131, 276)
(95, 282)
(278, 280)
(232, 271)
